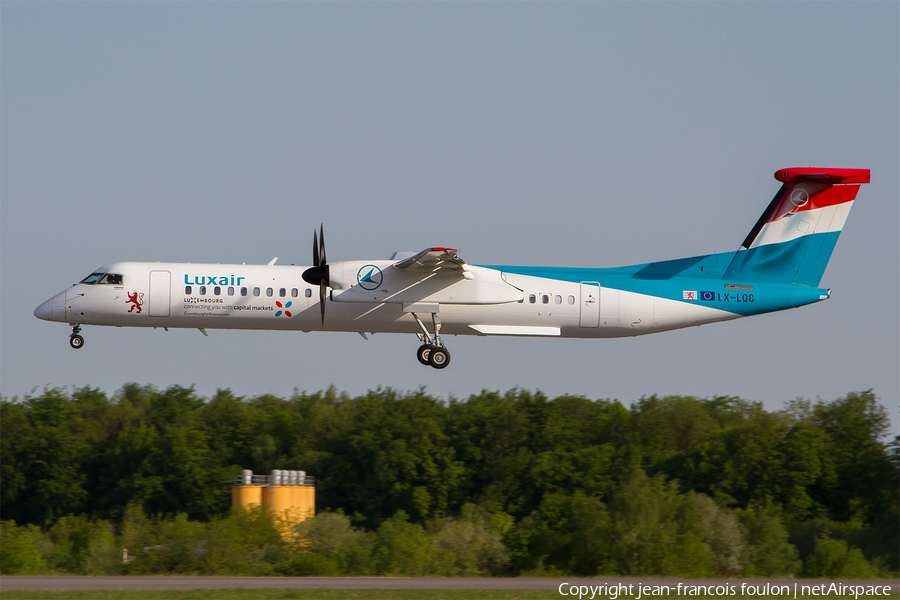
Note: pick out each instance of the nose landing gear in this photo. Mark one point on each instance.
(432, 351)
(75, 340)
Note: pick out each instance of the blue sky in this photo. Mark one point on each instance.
(576, 134)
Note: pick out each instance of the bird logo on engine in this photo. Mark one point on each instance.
(369, 277)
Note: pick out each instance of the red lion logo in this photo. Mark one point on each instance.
(136, 300)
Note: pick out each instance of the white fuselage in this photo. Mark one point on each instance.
(487, 302)
(777, 267)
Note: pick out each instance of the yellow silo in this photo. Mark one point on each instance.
(245, 493)
(289, 496)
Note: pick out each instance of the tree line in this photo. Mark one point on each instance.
(410, 484)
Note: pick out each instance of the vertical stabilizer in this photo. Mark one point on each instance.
(793, 239)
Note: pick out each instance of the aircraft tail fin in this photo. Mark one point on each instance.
(793, 239)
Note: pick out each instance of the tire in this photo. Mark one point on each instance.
(76, 341)
(439, 358)
(423, 353)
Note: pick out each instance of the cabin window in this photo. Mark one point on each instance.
(294, 292)
(202, 290)
(531, 299)
(545, 299)
(231, 291)
(217, 291)
(243, 291)
(269, 292)
(282, 292)
(558, 299)
(256, 291)
(571, 299)
(114, 279)
(308, 293)
(187, 290)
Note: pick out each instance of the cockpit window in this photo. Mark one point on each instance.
(110, 278)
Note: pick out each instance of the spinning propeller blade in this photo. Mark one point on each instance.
(315, 250)
(318, 273)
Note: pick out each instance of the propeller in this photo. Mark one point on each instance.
(318, 273)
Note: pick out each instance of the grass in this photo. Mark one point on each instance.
(282, 594)
(285, 594)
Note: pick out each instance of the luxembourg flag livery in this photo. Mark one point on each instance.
(795, 236)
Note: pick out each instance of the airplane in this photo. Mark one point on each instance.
(434, 292)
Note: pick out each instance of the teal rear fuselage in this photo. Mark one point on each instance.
(701, 279)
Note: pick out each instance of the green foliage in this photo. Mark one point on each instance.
(653, 528)
(309, 565)
(392, 455)
(343, 549)
(20, 549)
(769, 551)
(473, 541)
(404, 549)
(567, 533)
(495, 484)
(82, 546)
(246, 541)
(724, 538)
(103, 556)
(834, 558)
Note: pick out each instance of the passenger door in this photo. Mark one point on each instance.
(160, 284)
(590, 304)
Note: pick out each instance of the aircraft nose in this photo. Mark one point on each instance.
(43, 311)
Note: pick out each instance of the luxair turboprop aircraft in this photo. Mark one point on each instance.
(435, 292)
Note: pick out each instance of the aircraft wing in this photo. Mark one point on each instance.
(440, 261)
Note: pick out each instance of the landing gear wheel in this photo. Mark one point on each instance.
(432, 352)
(439, 358)
(76, 341)
(423, 353)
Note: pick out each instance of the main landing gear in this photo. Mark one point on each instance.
(75, 340)
(432, 351)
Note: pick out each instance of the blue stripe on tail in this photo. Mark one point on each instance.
(802, 261)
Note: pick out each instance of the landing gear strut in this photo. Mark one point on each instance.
(75, 340)
(432, 351)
